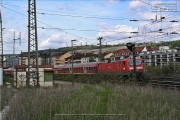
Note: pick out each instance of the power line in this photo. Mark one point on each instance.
(75, 14)
(63, 30)
(50, 25)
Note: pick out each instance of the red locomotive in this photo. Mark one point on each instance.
(123, 67)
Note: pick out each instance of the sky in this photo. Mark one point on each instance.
(60, 21)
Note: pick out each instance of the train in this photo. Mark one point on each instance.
(8, 71)
(123, 68)
(95, 71)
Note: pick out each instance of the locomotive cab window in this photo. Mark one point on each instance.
(138, 62)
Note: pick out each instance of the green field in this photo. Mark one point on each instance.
(95, 102)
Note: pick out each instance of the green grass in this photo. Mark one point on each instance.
(6, 95)
(133, 102)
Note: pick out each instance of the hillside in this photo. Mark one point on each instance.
(108, 48)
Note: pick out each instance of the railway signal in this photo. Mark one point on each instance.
(132, 48)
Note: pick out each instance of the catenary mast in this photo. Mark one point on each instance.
(33, 71)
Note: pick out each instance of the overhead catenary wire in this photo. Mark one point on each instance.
(48, 24)
(76, 14)
(63, 30)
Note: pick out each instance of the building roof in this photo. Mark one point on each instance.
(139, 48)
(121, 51)
(108, 55)
(26, 66)
(23, 55)
(59, 54)
(81, 55)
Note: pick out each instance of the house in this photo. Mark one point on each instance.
(10, 60)
(160, 57)
(120, 54)
(83, 58)
(60, 58)
(123, 53)
(107, 56)
(23, 59)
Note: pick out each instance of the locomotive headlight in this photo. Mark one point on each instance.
(139, 67)
(131, 68)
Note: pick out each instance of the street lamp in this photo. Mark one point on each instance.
(72, 62)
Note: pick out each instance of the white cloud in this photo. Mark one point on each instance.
(58, 40)
(53, 40)
(112, 1)
(135, 4)
(118, 32)
(64, 7)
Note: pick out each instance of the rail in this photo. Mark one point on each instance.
(166, 82)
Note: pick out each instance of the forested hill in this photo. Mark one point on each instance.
(171, 44)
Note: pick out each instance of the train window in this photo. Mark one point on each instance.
(138, 62)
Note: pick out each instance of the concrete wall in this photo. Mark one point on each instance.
(21, 76)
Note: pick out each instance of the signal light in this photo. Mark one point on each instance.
(130, 46)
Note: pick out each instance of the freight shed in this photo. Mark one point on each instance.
(21, 75)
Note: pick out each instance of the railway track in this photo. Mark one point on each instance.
(165, 82)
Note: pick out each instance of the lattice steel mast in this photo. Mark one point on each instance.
(33, 71)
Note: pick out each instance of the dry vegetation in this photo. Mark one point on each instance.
(130, 101)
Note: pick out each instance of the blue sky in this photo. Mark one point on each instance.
(85, 21)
